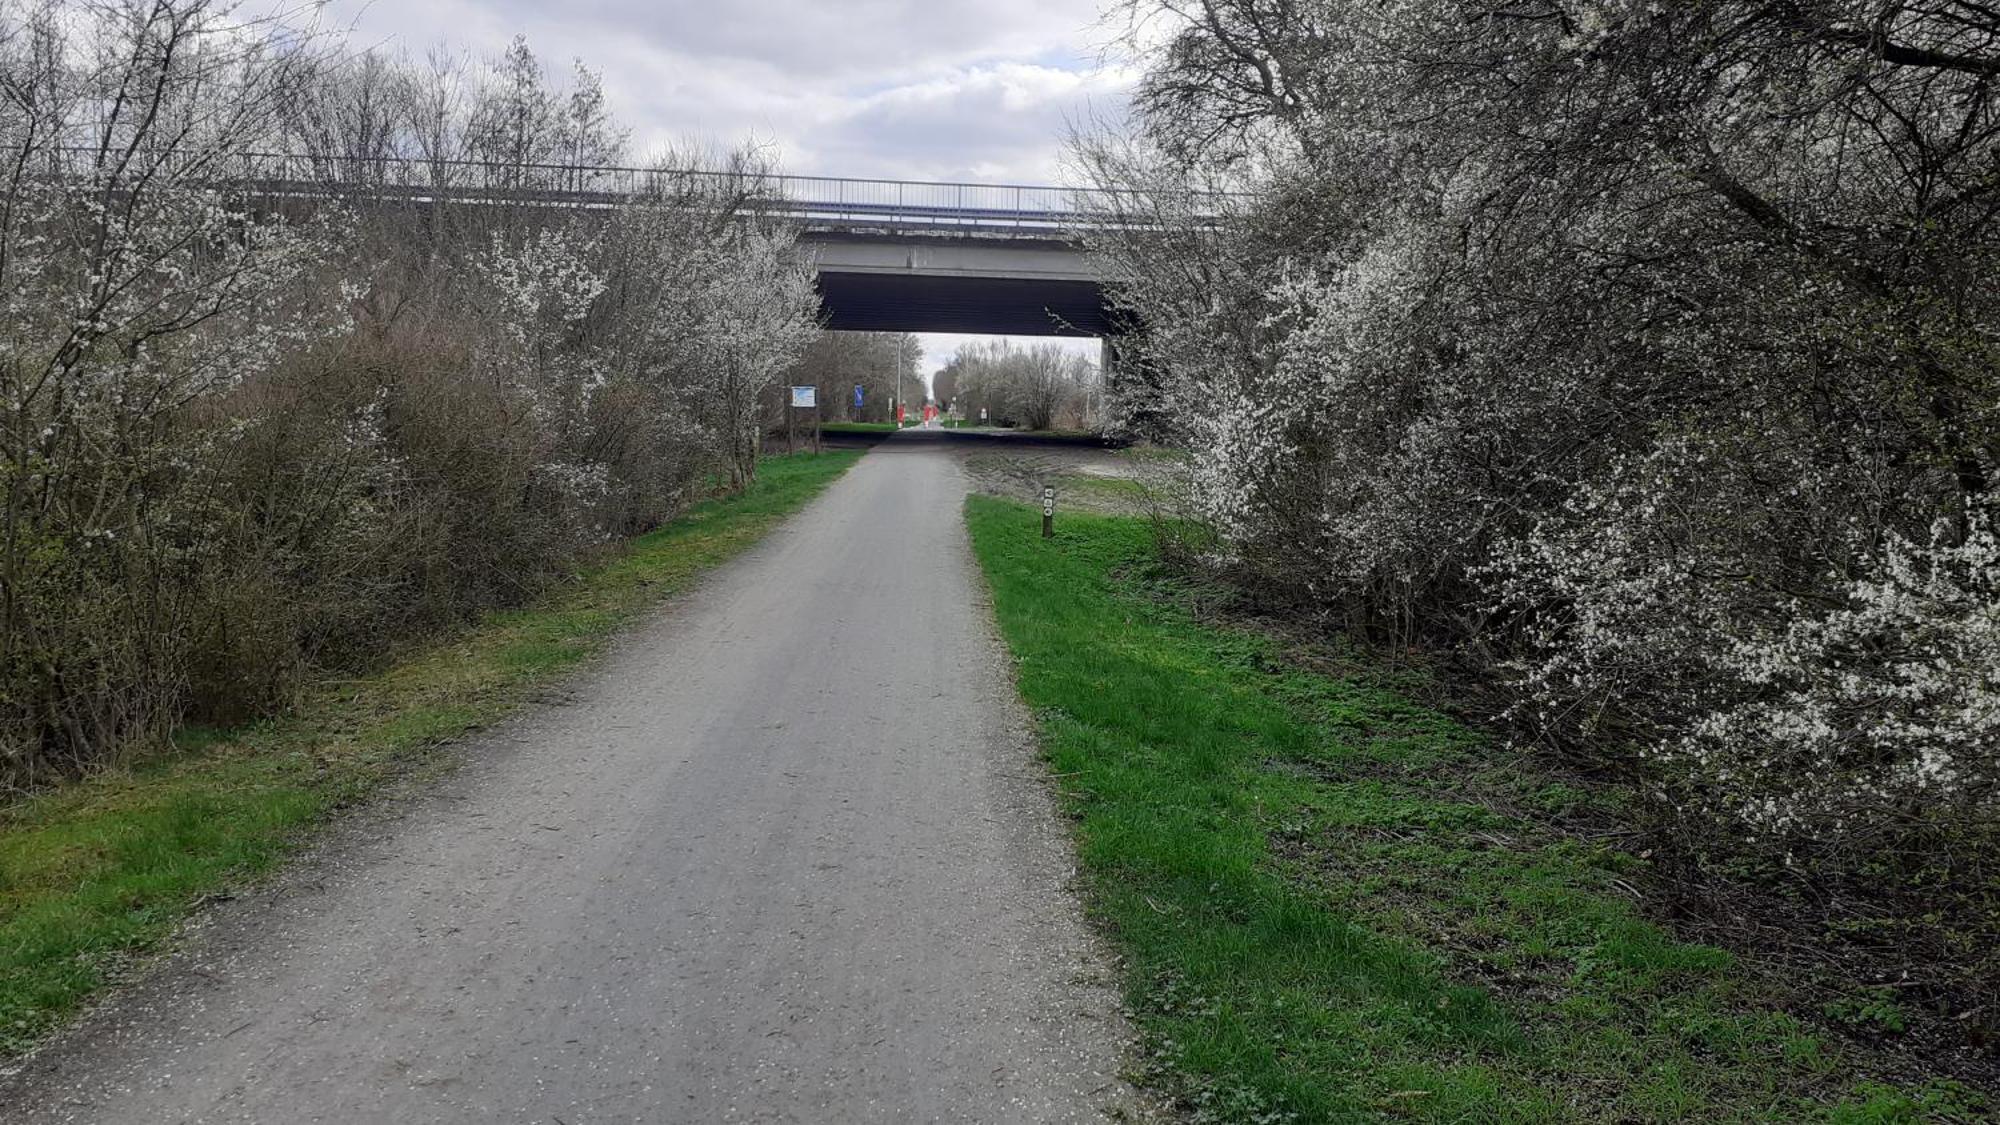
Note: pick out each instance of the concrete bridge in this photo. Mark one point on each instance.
(891, 255)
(907, 256)
(909, 282)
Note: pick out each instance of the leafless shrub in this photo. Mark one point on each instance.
(248, 433)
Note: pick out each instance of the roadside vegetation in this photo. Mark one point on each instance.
(1640, 363)
(858, 427)
(1335, 902)
(1039, 388)
(246, 442)
(1104, 494)
(98, 872)
(880, 363)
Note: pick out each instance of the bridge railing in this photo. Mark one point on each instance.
(908, 202)
(829, 200)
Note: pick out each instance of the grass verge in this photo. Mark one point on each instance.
(95, 873)
(1336, 904)
(1104, 495)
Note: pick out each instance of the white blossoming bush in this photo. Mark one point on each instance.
(245, 440)
(1884, 707)
(1646, 355)
(1619, 610)
(542, 288)
(1833, 721)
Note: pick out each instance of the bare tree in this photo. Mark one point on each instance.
(838, 362)
(515, 122)
(1031, 387)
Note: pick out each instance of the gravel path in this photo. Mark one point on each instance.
(785, 855)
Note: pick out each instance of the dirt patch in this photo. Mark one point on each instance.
(1106, 481)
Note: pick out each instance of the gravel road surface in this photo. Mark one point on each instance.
(785, 855)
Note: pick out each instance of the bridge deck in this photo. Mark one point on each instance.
(827, 201)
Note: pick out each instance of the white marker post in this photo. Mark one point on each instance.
(1048, 512)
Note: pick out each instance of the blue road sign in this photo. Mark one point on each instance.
(857, 396)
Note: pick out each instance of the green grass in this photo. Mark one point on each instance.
(858, 427)
(1094, 493)
(96, 873)
(1336, 904)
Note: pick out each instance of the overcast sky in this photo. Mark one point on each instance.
(980, 90)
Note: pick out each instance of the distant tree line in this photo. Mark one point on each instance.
(1037, 387)
(1645, 355)
(838, 362)
(243, 440)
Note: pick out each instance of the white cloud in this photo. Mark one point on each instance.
(970, 89)
(998, 122)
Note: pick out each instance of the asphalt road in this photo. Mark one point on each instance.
(785, 855)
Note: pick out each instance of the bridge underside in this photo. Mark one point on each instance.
(908, 282)
(881, 302)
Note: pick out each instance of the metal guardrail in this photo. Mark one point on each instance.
(830, 200)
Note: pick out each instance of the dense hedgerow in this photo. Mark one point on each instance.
(245, 438)
(1647, 352)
